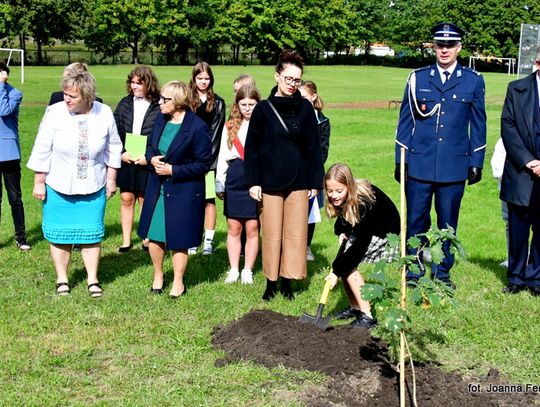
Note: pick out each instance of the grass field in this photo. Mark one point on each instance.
(134, 348)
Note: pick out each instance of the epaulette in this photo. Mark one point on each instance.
(471, 70)
(422, 69)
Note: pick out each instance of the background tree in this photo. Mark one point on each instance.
(171, 29)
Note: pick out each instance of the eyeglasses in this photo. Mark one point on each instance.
(164, 99)
(290, 80)
(246, 106)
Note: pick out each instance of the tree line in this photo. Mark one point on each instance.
(262, 26)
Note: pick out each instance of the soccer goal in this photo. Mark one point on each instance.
(12, 55)
(528, 42)
(510, 62)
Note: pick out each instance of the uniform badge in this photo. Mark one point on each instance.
(423, 107)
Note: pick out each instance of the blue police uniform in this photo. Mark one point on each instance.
(443, 130)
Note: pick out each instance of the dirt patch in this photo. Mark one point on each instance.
(357, 365)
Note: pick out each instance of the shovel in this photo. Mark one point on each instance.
(318, 320)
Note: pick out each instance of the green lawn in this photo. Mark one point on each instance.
(134, 348)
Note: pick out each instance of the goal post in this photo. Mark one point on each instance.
(511, 62)
(11, 55)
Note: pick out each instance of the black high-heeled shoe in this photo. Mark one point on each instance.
(270, 291)
(175, 297)
(156, 290)
(286, 288)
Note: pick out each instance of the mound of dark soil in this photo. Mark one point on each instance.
(360, 374)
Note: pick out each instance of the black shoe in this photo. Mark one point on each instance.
(156, 290)
(270, 291)
(362, 320)
(125, 249)
(347, 313)
(447, 282)
(512, 289)
(535, 290)
(412, 282)
(175, 297)
(286, 288)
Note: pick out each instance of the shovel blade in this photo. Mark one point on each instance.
(320, 322)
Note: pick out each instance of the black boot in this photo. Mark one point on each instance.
(270, 291)
(286, 289)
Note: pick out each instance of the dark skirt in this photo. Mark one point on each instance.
(238, 203)
(132, 178)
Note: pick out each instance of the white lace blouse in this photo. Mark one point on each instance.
(74, 150)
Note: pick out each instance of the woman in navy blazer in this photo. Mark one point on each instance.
(180, 152)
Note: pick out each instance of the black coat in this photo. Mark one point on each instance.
(518, 135)
(379, 220)
(215, 120)
(277, 159)
(324, 132)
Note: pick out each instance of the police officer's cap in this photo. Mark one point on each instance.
(446, 34)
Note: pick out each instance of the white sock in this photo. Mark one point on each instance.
(246, 270)
(209, 234)
(234, 269)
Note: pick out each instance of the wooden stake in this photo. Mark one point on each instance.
(403, 302)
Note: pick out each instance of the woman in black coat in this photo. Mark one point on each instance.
(283, 169)
(135, 114)
(180, 153)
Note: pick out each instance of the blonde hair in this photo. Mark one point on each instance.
(311, 87)
(235, 121)
(360, 195)
(76, 67)
(179, 92)
(84, 82)
(245, 79)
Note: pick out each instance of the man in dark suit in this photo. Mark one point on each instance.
(442, 127)
(520, 188)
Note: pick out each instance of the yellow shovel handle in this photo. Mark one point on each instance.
(326, 291)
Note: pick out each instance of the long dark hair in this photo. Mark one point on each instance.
(210, 95)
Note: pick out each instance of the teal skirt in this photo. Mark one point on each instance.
(74, 219)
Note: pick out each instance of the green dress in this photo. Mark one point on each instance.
(156, 232)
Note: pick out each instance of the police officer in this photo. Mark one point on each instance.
(442, 126)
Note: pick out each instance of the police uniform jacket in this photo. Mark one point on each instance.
(519, 124)
(278, 159)
(442, 146)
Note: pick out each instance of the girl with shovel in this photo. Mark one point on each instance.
(365, 215)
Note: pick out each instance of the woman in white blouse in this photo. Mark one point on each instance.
(75, 157)
(239, 208)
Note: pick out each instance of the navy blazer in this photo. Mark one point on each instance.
(190, 155)
(442, 147)
(518, 135)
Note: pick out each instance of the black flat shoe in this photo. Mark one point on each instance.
(534, 290)
(156, 290)
(175, 297)
(286, 289)
(362, 320)
(512, 289)
(145, 248)
(125, 249)
(347, 313)
(270, 291)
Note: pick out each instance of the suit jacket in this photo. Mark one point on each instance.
(10, 100)
(442, 147)
(190, 155)
(518, 133)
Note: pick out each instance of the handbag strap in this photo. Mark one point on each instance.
(278, 116)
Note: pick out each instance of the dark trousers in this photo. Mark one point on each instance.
(524, 261)
(420, 195)
(10, 172)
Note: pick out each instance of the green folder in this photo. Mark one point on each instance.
(135, 144)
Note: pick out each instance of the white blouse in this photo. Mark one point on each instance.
(140, 106)
(75, 150)
(227, 154)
